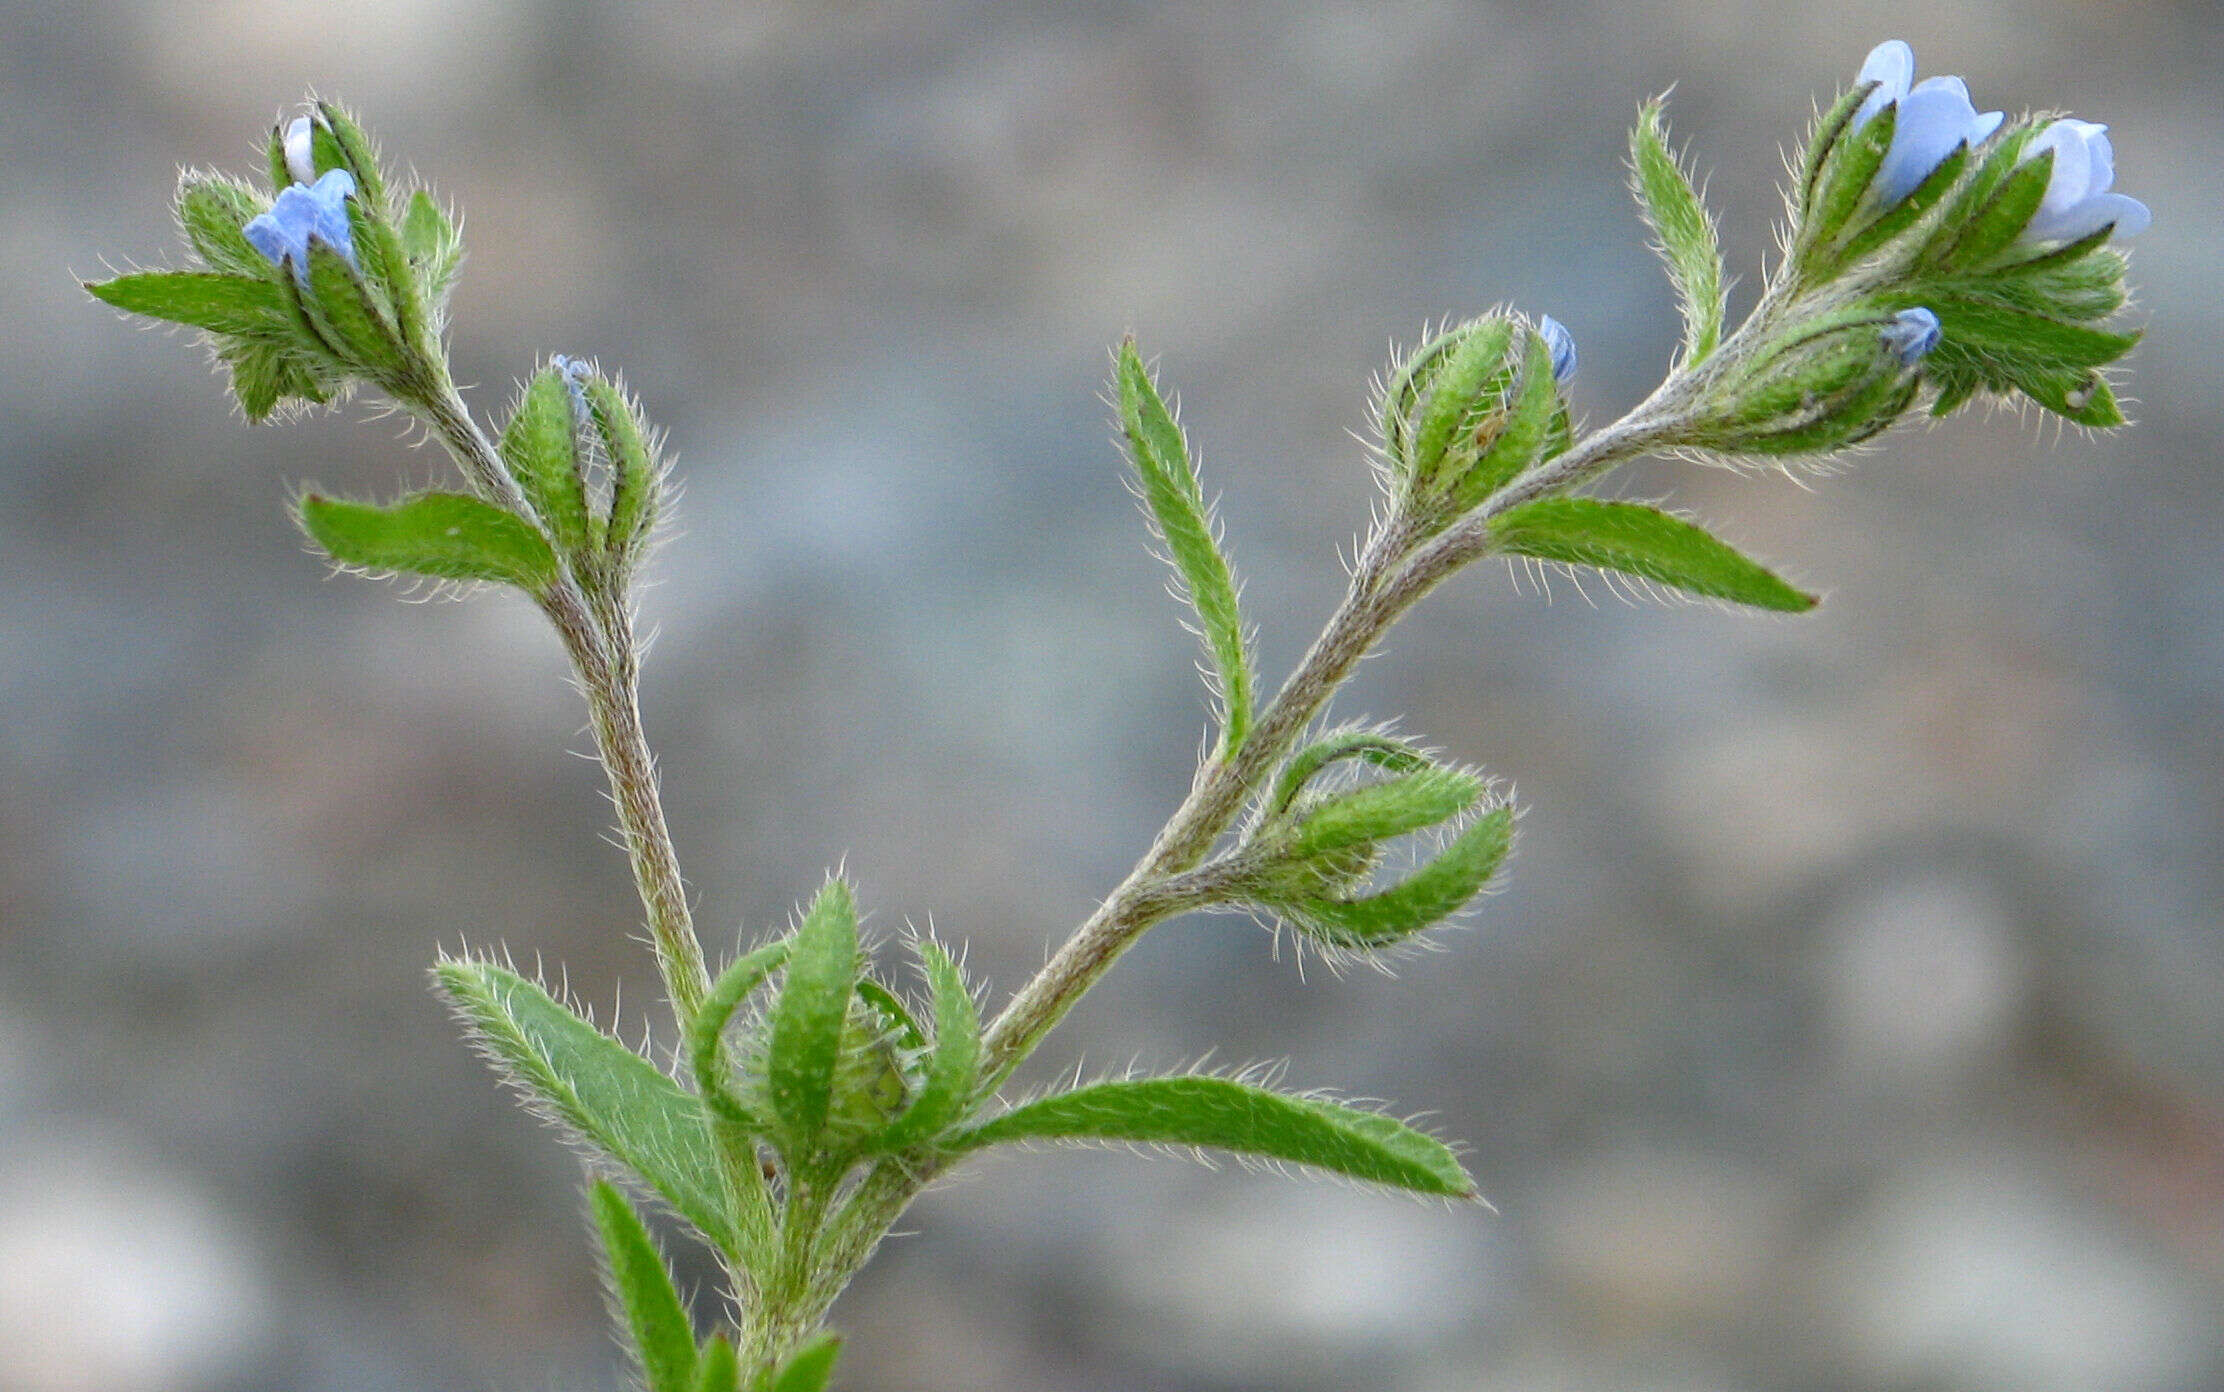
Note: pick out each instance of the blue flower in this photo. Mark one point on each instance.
(1935, 116)
(2077, 202)
(1562, 343)
(1911, 334)
(316, 210)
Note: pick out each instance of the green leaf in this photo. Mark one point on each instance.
(426, 231)
(595, 1087)
(265, 373)
(809, 1368)
(2084, 398)
(434, 251)
(636, 480)
(663, 1338)
(716, 1369)
(1687, 237)
(1427, 897)
(705, 1034)
(280, 176)
(1646, 542)
(1828, 130)
(353, 150)
(1224, 1114)
(1907, 212)
(1379, 811)
(953, 1067)
(808, 1017)
(1839, 188)
(212, 211)
(349, 320)
(1170, 489)
(1997, 333)
(540, 448)
(1997, 224)
(228, 304)
(1378, 749)
(449, 536)
(1405, 391)
(1462, 395)
(1522, 435)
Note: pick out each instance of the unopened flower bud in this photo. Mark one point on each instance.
(1562, 344)
(300, 162)
(1820, 387)
(1911, 334)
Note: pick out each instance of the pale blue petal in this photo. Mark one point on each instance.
(2129, 214)
(266, 235)
(1933, 119)
(1891, 65)
(2087, 216)
(1562, 346)
(330, 195)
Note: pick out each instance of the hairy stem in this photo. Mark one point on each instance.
(1393, 573)
(600, 642)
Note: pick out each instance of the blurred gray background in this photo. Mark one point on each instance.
(1850, 1020)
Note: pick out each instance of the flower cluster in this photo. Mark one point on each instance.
(1975, 246)
(1935, 118)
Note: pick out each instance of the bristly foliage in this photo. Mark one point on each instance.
(1168, 482)
(1212, 1113)
(1684, 233)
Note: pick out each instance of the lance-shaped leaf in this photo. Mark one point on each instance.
(953, 1065)
(1463, 394)
(1830, 127)
(706, 1034)
(1840, 185)
(636, 479)
(540, 448)
(426, 231)
(1380, 811)
(434, 251)
(807, 1019)
(226, 304)
(1393, 755)
(648, 1304)
(1646, 542)
(1687, 236)
(263, 374)
(1225, 1114)
(347, 316)
(1420, 901)
(2085, 398)
(809, 1368)
(1408, 387)
(212, 210)
(1523, 432)
(595, 1087)
(450, 536)
(1169, 484)
(716, 1368)
(2011, 337)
